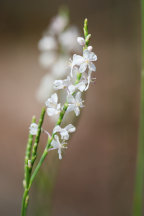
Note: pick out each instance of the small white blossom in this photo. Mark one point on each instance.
(45, 88)
(90, 48)
(61, 84)
(47, 59)
(75, 103)
(87, 79)
(81, 41)
(77, 60)
(57, 145)
(29, 163)
(47, 43)
(33, 129)
(81, 86)
(64, 132)
(88, 58)
(68, 38)
(59, 69)
(53, 108)
(58, 24)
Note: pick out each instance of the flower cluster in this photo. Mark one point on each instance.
(56, 46)
(78, 81)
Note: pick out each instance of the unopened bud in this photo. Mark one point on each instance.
(90, 48)
(81, 41)
(88, 37)
(24, 183)
(29, 163)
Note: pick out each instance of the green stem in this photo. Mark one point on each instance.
(40, 162)
(28, 155)
(37, 138)
(24, 202)
(28, 169)
(139, 181)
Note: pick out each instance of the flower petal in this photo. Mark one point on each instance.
(60, 153)
(57, 129)
(58, 84)
(77, 59)
(70, 128)
(70, 99)
(54, 98)
(71, 107)
(71, 89)
(78, 97)
(52, 111)
(64, 134)
(33, 129)
(81, 86)
(77, 111)
(83, 67)
(92, 56)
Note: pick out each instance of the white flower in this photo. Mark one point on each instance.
(58, 24)
(87, 78)
(68, 38)
(77, 60)
(81, 41)
(61, 84)
(47, 43)
(64, 132)
(81, 86)
(45, 88)
(29, 163)
(33, 129)
(53, 108)
(88, 58)
(60, 69)
(90, 48)
(57, 145)
(47, 59)
(75, 103)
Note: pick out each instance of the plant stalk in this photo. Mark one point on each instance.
(139, 180)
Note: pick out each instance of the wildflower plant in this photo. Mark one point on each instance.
(77, 81)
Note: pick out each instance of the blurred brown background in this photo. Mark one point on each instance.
(96, 175)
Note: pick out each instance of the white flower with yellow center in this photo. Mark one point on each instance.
(81, 86)
(61, 84)
(64, 132)
(76, 61)
(53, 108)
(75, 103)
(88, 58)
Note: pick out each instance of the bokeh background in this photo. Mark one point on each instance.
(96, 175)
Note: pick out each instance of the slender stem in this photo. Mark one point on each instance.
(28, 167)
(40, 163)
(28, 155)
(139, 181)
(37, 138)
(24, 202)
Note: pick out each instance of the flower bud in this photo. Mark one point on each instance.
(29, 163)
(90, 48)
(24, 183)
(81, 41)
